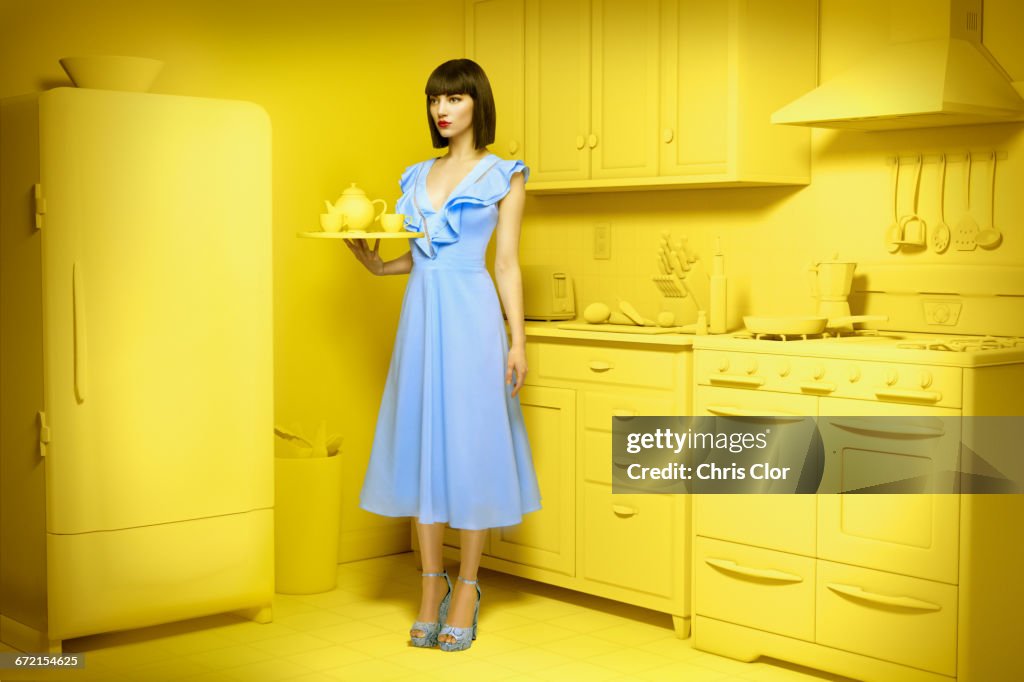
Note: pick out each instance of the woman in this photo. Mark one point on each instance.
(450, 446)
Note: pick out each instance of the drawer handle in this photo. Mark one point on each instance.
(623, 510)
(883, 599)
(759, 573)
(729, 380)
(817, 387)
(620, 412)
(728, 411)
(908, 394)
(886, 428)
(600, 366)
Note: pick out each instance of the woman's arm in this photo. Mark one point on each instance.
(371, 260)
(508, 277)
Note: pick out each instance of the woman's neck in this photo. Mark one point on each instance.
(462, 148)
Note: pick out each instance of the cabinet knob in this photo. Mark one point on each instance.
(891, 377)
(783, 368)
(854, 374)
(926, 378)
(580, 142)
(818, 372)
(592, 141)
(513, 147)
(751, 366)
(667, 135)
(723, 364)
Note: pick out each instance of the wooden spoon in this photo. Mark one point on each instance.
(990, 237)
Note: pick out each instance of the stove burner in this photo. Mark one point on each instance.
(963, 345)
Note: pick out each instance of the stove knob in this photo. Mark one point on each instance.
(723, 364)
(751, 366)
(854, 374)
(784, 368)
(926, 378)
(891, 376)
(818, 372)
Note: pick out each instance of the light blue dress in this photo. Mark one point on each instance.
(450, 444)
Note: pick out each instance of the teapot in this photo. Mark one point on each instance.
(356, 210)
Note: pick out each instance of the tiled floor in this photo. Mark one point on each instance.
(528, 631)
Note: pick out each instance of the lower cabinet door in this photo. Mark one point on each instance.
(633, 541)
(760, 588)
(905, 620)
(545, 538)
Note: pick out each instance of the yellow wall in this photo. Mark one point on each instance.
(342, 82)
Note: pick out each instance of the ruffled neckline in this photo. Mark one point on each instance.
(473, 174)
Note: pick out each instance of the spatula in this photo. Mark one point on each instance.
(939, 236)
(966, 231)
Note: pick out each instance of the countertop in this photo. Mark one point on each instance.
(550, 330)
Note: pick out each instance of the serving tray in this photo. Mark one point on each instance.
(352, 234)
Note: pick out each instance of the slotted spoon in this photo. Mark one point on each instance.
(990, 237)
(966, 232)
(939, 236)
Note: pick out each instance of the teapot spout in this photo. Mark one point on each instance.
(329, 205)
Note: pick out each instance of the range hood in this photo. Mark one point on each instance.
(947, 81)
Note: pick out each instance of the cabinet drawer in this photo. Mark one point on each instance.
(784, 522)
(599, 408)
(759, 588)
(904, 620)
(633, 541)
(630, 367)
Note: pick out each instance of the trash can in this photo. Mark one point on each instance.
(307, 519)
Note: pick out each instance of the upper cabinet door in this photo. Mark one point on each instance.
(625, 80)
(696, 116)
(494, 40)
(558, 89)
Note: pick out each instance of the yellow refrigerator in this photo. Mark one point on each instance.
(136, 470)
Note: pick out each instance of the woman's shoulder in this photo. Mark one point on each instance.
(410, 173)
(501, 170)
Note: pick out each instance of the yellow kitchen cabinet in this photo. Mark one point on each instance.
(632, 548)
(494, 40)
(665, 93)
(591, 89)
(545, 538)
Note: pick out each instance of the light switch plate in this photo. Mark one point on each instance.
(602, 241)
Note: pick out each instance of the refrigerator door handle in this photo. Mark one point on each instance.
(78, 305)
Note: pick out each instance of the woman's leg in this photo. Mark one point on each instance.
(430, 536)
(460, 614)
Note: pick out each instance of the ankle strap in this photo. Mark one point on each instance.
(442, 574)
(468, 582)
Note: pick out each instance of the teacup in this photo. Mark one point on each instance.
(392, 222)
(331, 222)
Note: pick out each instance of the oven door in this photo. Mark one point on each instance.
(867, 448)
(783, 522)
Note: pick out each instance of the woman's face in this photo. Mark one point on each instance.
(452, 114)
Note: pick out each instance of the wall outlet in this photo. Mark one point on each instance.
(602, 241)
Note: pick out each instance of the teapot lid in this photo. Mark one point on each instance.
(353, 191)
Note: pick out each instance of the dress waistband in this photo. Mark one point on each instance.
(448, 264)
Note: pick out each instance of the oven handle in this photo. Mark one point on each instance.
(882, 427)
(748, 572)
(729, 380)
(908, 394)
(883, 599)
(726, 411)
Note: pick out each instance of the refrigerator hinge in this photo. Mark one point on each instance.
(44, 434)
(40, 205)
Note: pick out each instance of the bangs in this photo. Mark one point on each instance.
(451, 79)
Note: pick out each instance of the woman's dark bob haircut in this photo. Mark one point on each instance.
(464, 77)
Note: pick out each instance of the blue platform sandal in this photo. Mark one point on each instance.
(430, 630)
(463, 636)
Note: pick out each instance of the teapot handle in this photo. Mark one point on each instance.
(384, 207)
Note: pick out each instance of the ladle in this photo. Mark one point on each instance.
(966, 227)
(990, 237)
(894, 233)
(940, 235)
(913, 229)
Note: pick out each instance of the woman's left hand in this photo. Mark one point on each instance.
(517, 363)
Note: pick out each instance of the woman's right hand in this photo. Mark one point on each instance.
(370, 258)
